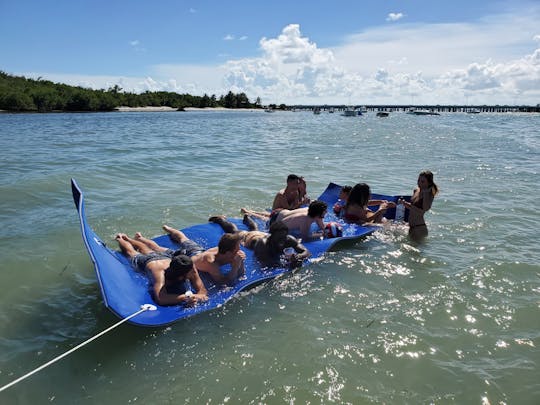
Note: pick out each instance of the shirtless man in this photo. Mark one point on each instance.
(169, 271)
(268, 247)
(299, 220)
(210, 261)
(289, 197)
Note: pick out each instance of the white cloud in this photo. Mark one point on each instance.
(136, 46)
(228, 37)
(493, 61)
(243, 38)
(394, 16)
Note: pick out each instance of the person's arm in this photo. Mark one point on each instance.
(238, 269)
(427, 200)
(200, 290)
(161, 295)
(317, 234)
(280, 201)
(301, 254)
(389, 204)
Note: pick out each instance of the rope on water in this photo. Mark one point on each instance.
(145, 307)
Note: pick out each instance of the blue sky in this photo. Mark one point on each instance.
(293, 52)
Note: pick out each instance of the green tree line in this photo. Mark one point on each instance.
(18, 93)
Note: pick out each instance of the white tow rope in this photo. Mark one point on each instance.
(145, 307)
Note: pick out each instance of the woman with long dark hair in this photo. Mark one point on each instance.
(356, 208)
(421, 201)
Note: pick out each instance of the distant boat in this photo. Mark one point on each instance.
(350, 112)
(382, 114)
(362, 110)
(269, 110)
(316, 111)
(418, 111)
(473, 111)
(331, 110)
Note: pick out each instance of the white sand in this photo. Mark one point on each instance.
(162, 109)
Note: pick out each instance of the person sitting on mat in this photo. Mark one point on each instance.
(342, 200)
(356, 208)
(169, 271)
(268, 247)
(288, 197)
(303, 198)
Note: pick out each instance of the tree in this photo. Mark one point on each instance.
(230, 100)
(45, 99)
(17, 102)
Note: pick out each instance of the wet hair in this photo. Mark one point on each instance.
(346, 189)
(429, 177)
(278, 226)
(292, 177)
(228, 242)
(279, 232)
(317, 208)
(359, 195)
(180, 266)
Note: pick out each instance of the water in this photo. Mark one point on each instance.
(382, 320)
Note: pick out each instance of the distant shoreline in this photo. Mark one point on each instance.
(171, 109)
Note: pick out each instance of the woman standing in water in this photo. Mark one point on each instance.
(421, 201)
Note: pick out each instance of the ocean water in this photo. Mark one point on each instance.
(455, 319)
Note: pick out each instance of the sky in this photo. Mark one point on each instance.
(293, 52)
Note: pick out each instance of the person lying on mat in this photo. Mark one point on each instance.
(268, 247)
(169, 271)
(299, 220)
(212, 260)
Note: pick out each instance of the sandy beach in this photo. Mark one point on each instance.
(166, 109)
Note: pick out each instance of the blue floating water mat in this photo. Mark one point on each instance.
(125, 290)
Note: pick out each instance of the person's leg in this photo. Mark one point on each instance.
(226, 225)
(250, 223)
(126, 247)
(175, 234)
(150, 243)
(136, 245)
(256, 214)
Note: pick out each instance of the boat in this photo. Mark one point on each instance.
(269, 110)
(125, 291)
(363, 110)
(383, 114)
(420, 111)
(350, 112)
(473, 111)
(317, 110)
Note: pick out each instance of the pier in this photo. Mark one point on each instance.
(434, 108)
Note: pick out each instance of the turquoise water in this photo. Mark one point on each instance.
(382, 320)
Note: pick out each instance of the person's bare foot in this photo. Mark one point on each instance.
(243, 210)
(167, 228)
(122, 236)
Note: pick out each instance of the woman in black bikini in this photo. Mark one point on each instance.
(421, 201)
